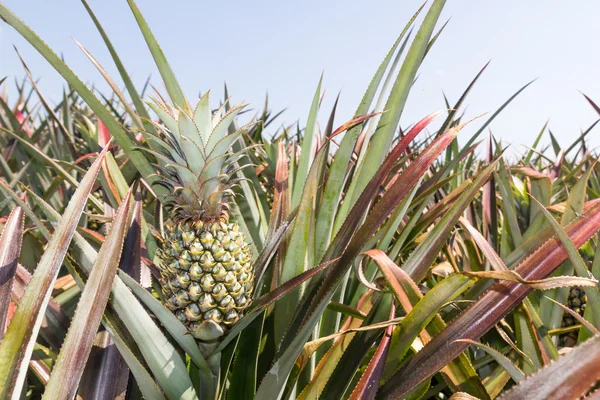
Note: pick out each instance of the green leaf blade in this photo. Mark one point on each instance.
(68, 369)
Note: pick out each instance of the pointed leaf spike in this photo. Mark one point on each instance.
(166, 117)
(222, 127)
(192, 144)
(203, 117)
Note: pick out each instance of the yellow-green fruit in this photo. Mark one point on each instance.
(207, 272)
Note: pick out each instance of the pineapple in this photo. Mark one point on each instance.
(206, 268)
(92, 223)
(577, 301)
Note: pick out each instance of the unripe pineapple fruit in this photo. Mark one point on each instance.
(577, 301)
(267, 186)
(92, 223)
(208, 273)
(205, 261)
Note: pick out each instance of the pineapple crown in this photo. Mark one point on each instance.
(195, 158)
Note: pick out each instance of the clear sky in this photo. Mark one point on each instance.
(283, 46)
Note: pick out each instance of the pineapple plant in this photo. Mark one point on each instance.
(345, 253)
(206, 263)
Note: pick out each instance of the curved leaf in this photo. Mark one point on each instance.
(348, 244)
(515, 373)
(489, 309)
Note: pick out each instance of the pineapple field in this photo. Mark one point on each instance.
(155, 246)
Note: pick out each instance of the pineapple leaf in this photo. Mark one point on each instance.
(75, 351)
(162, 358)
(203, 117)
(421, 259)
(113, 85)
(388, 124)
(369, 381)
(11, 240)
(144, 380)
(308, 144)
(492, 306)
(133, 93)
(570, 377)
(191, 143)
(103, 114)
(515, 373)
(168, 76)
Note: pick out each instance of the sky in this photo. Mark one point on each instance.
(282, 47)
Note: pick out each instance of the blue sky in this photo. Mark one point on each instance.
(282, 47)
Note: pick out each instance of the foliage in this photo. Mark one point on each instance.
(389, 260)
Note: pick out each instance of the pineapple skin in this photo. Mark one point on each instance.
(207, 272)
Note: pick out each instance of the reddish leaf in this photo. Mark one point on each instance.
(489, 202)
(103, 134)
(396, 278)
(23, 121)
(489, 309)
(131, 262)
(571, 377)
(530, 172)
(592, 103)
(55, 322)
(17, 346)
(557, 164)
(281, 200)
(369, 381)
(380, 212)
(352, 123)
